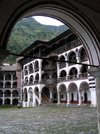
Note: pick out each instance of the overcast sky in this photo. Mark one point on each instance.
(47, 21)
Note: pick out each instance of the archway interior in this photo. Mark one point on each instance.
(79, 26)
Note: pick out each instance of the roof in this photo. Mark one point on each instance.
(8, 68)
(45, 42)
(34, 44)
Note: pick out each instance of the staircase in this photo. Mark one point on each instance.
(44, 98)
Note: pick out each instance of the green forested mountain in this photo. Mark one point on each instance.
(27, 31)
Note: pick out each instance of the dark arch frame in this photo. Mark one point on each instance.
(73, 18)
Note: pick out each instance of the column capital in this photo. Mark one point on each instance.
(95, 72)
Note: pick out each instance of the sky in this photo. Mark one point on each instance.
(47, 21)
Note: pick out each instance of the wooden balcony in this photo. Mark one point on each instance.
(49, 81)
(72, 77)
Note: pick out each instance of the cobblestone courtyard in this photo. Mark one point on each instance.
(48, 120)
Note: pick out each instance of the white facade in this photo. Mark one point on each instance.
(47, 81)
(9, 92)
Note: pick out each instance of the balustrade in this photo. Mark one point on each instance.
(83, 75)
(72, 77)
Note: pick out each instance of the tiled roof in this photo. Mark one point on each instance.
(8, 68)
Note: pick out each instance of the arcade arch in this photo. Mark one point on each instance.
(73, 73)
(85, 93)
(83, 55)
(7, 101)
(45, 94)
(63, 75)
(72, 58)
(15, 85)
(63, 93)
(7, 93)
(15, 93)
(73, 93)
(62, 64)
(31, 79)
(15, 101)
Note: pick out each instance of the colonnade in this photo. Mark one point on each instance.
(8, 80)
(11, 96)
(79, 101)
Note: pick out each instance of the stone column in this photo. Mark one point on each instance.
(3, 99)
(66, 58)
(95, 72)
(11, 99)
(68, 97)
(78, 74)
(58, 97)
(28, 100)
(40, 98)
(77, 56)
(28, 69)
(80, 101)
(11, 80)
(50, 96)
(40, 70)
(58, 70)
(3, 80)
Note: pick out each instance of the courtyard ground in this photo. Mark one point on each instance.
(48, 120)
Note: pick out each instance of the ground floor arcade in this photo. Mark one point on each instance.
(76, 92)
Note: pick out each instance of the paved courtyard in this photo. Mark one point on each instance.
(48, 120)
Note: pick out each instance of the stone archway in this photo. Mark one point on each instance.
(73, 93)
(72, 13)
(75, 20)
